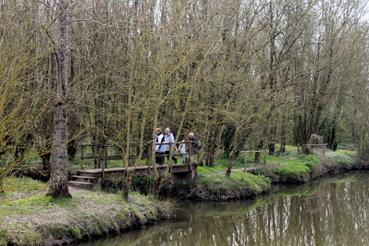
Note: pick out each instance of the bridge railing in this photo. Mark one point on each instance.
(312, 147)
(101, 154)
(187, 157)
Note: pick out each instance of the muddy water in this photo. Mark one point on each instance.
(333, 211)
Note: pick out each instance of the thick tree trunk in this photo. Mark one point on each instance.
(257, 154)
(127, 185)
(72, 149)
(58, 186)
(271, 148)
(210, 156)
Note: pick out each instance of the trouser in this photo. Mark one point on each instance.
(185, 158)
(167, 154)
(194, 158)
(159, 158)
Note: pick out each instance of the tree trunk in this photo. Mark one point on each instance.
(45, 158)
(72, 149)
(271, 148)
(127, 185)
(19, 153)
(58, 186)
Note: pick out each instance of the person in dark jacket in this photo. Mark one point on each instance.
(194, 147)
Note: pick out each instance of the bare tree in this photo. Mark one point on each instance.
(58, 186)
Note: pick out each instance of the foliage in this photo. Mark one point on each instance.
(240, 74)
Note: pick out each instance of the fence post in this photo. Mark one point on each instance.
(82, 155)
(101, 163)
(148, 161)
(245, 160)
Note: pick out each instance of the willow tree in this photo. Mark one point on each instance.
(19, 102)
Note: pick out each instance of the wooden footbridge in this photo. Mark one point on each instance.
(101, 153)
(90, 177)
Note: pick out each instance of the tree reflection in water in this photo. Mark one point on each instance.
(330, 212)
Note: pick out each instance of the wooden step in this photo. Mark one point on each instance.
(84, 178)
(87, 173)
(80, 184)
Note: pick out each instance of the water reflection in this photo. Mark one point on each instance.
(330, 212)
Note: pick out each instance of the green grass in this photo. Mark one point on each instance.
(293, 165)
(19, 187)
(29, 220)
(343, 157)
(215, 179)
(294, 170)
(290, 165)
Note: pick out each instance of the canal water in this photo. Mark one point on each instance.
(332, 211)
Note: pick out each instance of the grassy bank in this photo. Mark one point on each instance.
(292, 167)
(299, 168)
(212, 184)
(28, 217)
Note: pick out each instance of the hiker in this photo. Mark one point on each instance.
(195, 144)
(194, 147)
(182, 150)
(159, 148)
(168, 144)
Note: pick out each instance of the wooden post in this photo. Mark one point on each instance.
(82, 155)
(245, 160)
(99, 162)
(82, 151)
(105, 162)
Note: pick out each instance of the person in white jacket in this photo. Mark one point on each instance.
(159, 148)
(169, 146)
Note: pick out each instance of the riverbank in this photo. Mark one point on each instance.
(292, 168)
(28, 217)
(315, 213)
